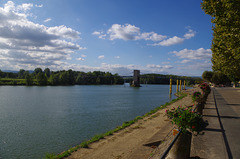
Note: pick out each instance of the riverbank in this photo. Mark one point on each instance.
(138, 140)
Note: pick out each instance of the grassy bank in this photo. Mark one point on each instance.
(111, 132)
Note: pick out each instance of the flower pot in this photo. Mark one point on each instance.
(181, 148)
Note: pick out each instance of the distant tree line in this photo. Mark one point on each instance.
(164, 79)
(69, 77)
(217, 78)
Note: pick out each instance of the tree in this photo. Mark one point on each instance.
(21, 73)
(226, 35)
(28, 79)
(207, 75)
(41, 79)
(220, 78)
(54, 79)
(47, 72)
(37, 71)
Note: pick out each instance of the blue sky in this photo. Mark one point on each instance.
(154, 36)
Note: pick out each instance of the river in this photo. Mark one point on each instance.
(39, 120)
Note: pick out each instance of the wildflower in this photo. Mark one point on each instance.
(193, 127)
(166, 110)
(180, 116)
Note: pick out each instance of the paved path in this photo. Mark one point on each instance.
(221, 138)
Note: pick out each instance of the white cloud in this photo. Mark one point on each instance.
(100, 35)
(124, 32)
(202, 66)
(171, 41)
(128, 32)
(176, 40)
(117, 57)
(25, 44)
(150, 36)
(101, 57)
(96, 33)
(131, 32)
(159, 66)
(185, 61)
(80, 59)
(199, 54)
(83, 55)
(47, 20)
(39, 6)
(189, 34)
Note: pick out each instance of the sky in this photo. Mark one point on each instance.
(153, 36)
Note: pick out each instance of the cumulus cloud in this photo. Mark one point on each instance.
(171, 41)
(124, 32)
(117, 57)
(47, 20)
(101, 57)
(185, 61)
(189, 34)
(96, 33)
(176, 40)
(159, 66)
(80, 59)
(100, 35)
(26, 44)
(128, 32)
(39, 6)
(131, 32)
(199, 54)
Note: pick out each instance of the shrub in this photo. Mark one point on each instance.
(185, 119)
(196, 97)
(205, 88)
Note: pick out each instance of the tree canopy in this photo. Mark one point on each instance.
(226, 35)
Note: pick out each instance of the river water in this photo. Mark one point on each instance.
(39, 120)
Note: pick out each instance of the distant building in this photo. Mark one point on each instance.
(136, 78)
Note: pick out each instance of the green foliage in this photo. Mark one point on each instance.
(47, 72)
(220, 78)
(185, 119)
(41, 79)
(38, 77)
(164, 79)
(207, 75)
(29, 80)
(226, 35)
(196, 96)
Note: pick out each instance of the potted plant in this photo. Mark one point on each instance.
(197, 97)
(205, 88)
(188, 122)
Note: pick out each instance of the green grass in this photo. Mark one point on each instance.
(14, 81)
(101, 136)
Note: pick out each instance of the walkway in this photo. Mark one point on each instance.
(221, 138)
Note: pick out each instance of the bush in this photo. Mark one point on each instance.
(196, 97)
(185, 119)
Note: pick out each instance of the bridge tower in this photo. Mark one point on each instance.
(136, 78)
